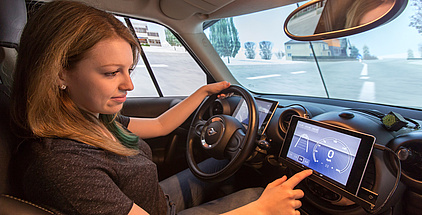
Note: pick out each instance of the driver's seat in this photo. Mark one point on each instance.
(12, 20)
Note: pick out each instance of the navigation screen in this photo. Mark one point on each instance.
(326, 151)
(265, 111)
(337, 155)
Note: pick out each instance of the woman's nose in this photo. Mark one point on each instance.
(127, 83)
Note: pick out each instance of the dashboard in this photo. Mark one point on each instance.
(378, 178)
(266, 109)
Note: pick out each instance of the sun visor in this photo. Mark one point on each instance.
(182, 9)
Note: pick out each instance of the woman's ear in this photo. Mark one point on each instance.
(61, 79)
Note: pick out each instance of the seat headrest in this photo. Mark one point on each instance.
(12, 21)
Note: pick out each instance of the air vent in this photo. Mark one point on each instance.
(411, 163)
(409, 149)
(216, 108)
(284, 120)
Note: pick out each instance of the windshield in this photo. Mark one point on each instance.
(383, 65)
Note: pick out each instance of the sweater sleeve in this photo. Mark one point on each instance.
(124, 120)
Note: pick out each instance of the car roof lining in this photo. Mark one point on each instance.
(188, 21)
(176, 9)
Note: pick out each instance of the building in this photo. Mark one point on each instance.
(301, 50)
(145, 36)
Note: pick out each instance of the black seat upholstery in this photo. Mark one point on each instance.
(12, 20)
(9, 22)
(10, 205)
(6, 140)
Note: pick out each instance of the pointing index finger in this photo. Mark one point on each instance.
(297, 178)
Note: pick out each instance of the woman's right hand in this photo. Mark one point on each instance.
(280, 197)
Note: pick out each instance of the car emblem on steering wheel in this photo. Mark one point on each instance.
(211, 131)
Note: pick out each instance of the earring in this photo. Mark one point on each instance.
(62, 87)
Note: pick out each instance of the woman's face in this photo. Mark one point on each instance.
(100, 81)
(376, 12)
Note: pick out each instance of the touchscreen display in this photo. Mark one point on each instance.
(328, 152)
(337, 155)
(265, 109)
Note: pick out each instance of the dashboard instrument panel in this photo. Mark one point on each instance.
(337, 155)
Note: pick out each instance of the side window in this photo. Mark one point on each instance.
(176, 72)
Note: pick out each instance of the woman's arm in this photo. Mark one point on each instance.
(174, 117)
(279, 197)
(136, 210)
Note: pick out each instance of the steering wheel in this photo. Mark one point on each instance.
(222, 137)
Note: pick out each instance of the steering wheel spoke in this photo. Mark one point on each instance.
(235, 143)
(232, 154)
(198, 127)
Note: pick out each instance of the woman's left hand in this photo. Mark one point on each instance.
(216, 87)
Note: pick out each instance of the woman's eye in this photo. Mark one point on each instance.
(111, 73)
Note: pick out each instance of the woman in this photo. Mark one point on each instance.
(71, 79)
(362, 12)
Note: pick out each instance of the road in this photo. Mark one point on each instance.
(388, 81)
(176, 72)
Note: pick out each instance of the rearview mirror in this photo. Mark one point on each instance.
(327, 19)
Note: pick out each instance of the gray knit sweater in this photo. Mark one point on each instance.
(76, 178)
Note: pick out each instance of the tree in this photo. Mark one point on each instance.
(225, 38)
(410, 53)
(234, 38)
(171, 39)
(354, 52)
(279, 54)
(265, 52)
(416, 19)
(366, 54)
(420, 49)
(249, 50)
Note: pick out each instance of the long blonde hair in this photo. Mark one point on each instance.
(358, 9)
(55, 38)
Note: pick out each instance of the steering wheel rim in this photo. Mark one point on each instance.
(245, 147)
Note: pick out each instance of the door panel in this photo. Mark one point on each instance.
(168, 151)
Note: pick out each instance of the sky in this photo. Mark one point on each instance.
(392, 39)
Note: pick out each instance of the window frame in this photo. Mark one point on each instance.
(127, 19)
